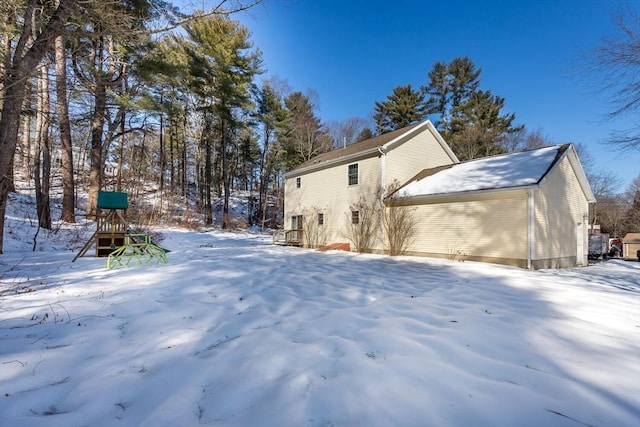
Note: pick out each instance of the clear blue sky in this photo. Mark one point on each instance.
(353, 53)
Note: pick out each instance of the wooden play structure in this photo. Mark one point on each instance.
(114, 240)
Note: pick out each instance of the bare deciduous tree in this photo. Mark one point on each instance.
(616, 64)
(346, 132)
(399, 222)
(364, 222)
(314, 231)
(524, 139)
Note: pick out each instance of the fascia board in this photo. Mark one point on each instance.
(435, 198)
(335, 162)
(574, 161)
(581, 175)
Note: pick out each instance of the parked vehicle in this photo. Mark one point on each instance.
(598, 246)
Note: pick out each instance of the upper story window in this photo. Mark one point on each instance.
(353, 174)
(298, 180)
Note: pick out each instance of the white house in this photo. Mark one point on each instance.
(526, 209)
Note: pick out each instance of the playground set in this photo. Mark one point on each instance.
(113, 238)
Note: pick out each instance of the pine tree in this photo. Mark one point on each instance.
(222, 66)
(270, 115)
(450, 86)
(303, 136)
(469, 119)
(402, 108)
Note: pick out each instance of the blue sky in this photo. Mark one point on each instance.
(353, 53)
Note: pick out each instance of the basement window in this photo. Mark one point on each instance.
(320, 219)
(353, 174)
(298, 180)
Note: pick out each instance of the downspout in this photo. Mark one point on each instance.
(531, 235)
(383, 171)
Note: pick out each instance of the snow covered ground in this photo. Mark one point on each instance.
(234, 331)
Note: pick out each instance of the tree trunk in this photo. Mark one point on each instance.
(62, 108)
(208, 208)
(162, 156)
(121, 153)
(172, 161)
(226, 179)
(23, 63)
(40, 176)
(264, 179)
(25, 139)
(95, 169)
(9, 124)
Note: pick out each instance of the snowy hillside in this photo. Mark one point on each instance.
(234, 331)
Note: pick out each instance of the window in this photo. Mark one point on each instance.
(320, 219)
(355, 217)
(353, 174)
(298, 180)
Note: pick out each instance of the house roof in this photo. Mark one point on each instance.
(523, 169)
(371, 145)
(631, 238)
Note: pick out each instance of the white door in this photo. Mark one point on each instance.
(580, 244)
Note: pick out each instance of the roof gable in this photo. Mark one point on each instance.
(513, 170)
(370, 146)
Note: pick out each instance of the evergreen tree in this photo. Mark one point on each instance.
(222, 66)
(479, 130)
(469, 119)
(450, 85)
(365, 134)
(270, 115)
(303, 136)
(402, 108)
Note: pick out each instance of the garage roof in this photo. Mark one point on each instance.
(497, 172)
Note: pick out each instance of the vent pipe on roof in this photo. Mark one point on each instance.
(344, 142)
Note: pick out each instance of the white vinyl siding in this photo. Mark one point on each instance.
(327, 190)
(494, 228)
(560, 206)
(407, 159)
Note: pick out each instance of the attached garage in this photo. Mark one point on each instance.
(526, 209)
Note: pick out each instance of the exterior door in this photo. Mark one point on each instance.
(580, 244)
(296, 227)
(296, 222)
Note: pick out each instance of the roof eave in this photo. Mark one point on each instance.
(581, 175)
(428, 197)
(322, 165)
(384, 147)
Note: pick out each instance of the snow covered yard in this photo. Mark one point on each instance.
(237, 332)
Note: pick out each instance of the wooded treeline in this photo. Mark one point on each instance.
(106, 96)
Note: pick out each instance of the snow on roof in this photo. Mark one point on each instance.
(504, 171)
